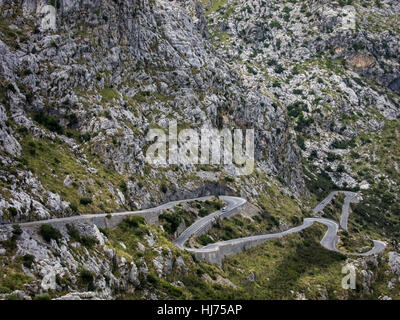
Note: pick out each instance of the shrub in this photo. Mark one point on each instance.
(17, 231)
(354, 155)
(300, 142)
(48, 232)
(11, 244)
(340, 168)
(73, 233)
(203, 212)
(27, 260)
(13, 281)
(343, 144)
(275, 24)
(172, 290)
(73, 207)
(163, 187)
(332, 157)
(197, 204)
(88, 242)
(276, 84)
(23, 130)
(13, 211)
(279, 69)
(358, 46)
(173, 222)
(295, 70)
(303, 123)
(320, 184)
(237, 222)
(85, 137)
(204, 239)
(296, 108)
(217, 205)
(85, 201)
(313, 155)
(32, 148)
(123, 187)
(251, 70)
(179, 210)
(42, 296)
(86, 278)
(72, 118)
(104, 231)
(152, 279)
(48, 122)
(133, 221)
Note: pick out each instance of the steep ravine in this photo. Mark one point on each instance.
(77, 102)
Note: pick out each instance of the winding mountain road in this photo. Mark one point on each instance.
(207, 221)
(215, 252)
(84, 217)
(329, 241)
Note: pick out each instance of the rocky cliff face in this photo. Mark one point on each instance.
(317, 80)
(334, 68)
(109, 72)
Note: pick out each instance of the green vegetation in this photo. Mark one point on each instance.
(290, 264)
(275, 207)
(86, 279)
(354, 243)
(213, 5)
(296, 109)
(28, 260)
(42, 296)
(11, 244)
(205, 239)
(163, 187)
(300, 142)
(49, 122)
(85, 201)
(12, 276)
(280, 268)
(171, 222)
(343, 144)
(13, 211)
(49, 233)
(135, 224)
(210, 206)
(275, 24)
(12, 281)
(13, 37)
(296, 262)
(108, 94)
(333, 211)
(378, 214)
(85, 240)
(203, 212)
(52, 160)
(378, 211)
(320, 184)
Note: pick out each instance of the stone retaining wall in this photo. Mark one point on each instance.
(227, 249)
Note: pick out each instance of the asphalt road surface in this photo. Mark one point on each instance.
(329, 241)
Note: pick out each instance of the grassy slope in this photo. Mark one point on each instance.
(281, 268)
